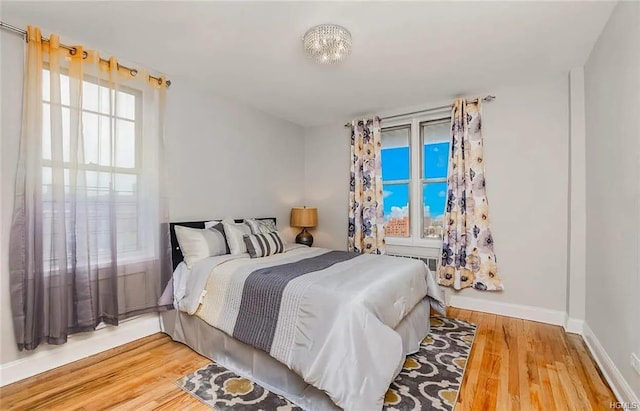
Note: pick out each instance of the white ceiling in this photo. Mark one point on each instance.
(403, 54)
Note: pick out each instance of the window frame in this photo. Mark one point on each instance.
(143, 252)
(423, 179)
(405, 181)
(430, 247)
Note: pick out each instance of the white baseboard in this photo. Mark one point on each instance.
(612, 374)
(77, 347)
(526, 312)
(573, 325)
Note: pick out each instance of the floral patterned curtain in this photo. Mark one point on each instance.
(366, 222)
(468, 259)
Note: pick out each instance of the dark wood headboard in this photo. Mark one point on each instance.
(176, 253)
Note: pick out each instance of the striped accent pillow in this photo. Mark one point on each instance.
(262, 245)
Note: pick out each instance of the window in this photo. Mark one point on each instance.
(396, 176)
(415, 163)
(109, 164)
(434, 136)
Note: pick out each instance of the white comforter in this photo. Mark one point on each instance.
(335, 327)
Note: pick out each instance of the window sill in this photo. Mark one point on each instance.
(424, 248)
(132, 264)
(415, 242)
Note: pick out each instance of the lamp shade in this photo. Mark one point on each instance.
(304, 217)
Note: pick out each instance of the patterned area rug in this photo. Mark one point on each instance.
(429, 380)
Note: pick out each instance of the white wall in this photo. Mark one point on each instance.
(223, 158)
(326, 182)
(11, 71)
(576, 271)
(228, 160)
(526, 132)
(612, 88)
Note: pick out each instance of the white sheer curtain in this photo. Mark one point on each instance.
(89, 238)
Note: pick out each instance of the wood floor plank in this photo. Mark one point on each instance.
(575, 372)
(489, 368)
(589, 373)
(502, 396)
(469, 386)
(512, 340)
(558, 392)
(544, 361)
(514, 365)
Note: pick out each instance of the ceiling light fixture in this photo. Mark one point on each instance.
(327, 43)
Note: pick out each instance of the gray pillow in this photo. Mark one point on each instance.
(197, 244)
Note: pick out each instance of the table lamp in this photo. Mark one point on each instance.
(305, 218)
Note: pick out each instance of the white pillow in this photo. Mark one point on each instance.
(197, 244)
(209, 224)
(235, 233)
(261, 226)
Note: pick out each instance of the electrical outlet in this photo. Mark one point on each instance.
(635, 363)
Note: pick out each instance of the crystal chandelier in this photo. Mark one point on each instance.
(327, 43)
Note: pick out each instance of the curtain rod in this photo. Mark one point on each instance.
(72, 50)
(486, 98)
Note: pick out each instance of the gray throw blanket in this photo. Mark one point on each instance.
(262, 295)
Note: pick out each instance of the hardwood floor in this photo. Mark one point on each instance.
(514, 365)
(524, 365)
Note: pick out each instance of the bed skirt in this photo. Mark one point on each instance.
(263, 369)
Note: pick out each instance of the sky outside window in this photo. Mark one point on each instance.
(395, 166)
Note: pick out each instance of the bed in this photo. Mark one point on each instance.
(326, 329)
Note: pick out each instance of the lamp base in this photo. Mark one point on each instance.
(304, 238)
